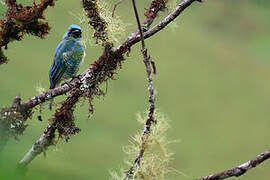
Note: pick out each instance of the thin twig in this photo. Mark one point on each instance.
(150, 119)
(135, 37)
(239, 170)
(115, 6)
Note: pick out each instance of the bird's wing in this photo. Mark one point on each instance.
(58, 66)
(74, 58)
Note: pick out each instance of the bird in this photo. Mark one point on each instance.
(68, 57)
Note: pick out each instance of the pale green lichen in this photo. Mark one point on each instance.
(86, 33)
(115, 26)
(3, 9)
(39, 88)
(155, 164)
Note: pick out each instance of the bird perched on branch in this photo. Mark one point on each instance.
(68, 57)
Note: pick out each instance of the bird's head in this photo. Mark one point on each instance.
(74, 31)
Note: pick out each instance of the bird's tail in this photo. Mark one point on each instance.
(50, 104)
(52, 86)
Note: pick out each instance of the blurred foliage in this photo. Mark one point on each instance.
(3, 9)
(212, 82)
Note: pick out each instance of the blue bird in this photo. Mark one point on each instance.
(68, 57)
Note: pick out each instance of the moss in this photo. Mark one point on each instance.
(12, 122)
(21, 20)
(92, 9)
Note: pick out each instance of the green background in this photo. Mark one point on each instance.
(212, 82)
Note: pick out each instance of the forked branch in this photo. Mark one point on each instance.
(150, 119)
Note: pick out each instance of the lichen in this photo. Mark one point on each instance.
(115, 26)
(155, 163)
(12, 122)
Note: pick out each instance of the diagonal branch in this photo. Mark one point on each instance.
(62, 121)
(45, 140)
(134, 37)
(239, 170)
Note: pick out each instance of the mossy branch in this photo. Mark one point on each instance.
(92, 10)
(21, 20)
(150, 118)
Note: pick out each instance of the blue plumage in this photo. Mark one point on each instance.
(68, 56)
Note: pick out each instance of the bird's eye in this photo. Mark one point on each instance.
(76, 33)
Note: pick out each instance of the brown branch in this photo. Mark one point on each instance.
(239, 170)
(150, 119)
(21, 20)
(151, 13)
(135, 38)
(62, 121)
(162, 24)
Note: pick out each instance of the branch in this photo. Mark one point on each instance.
(150, 119)
(134, 37)
(62, 121)
(239, 170)
(45, 140)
